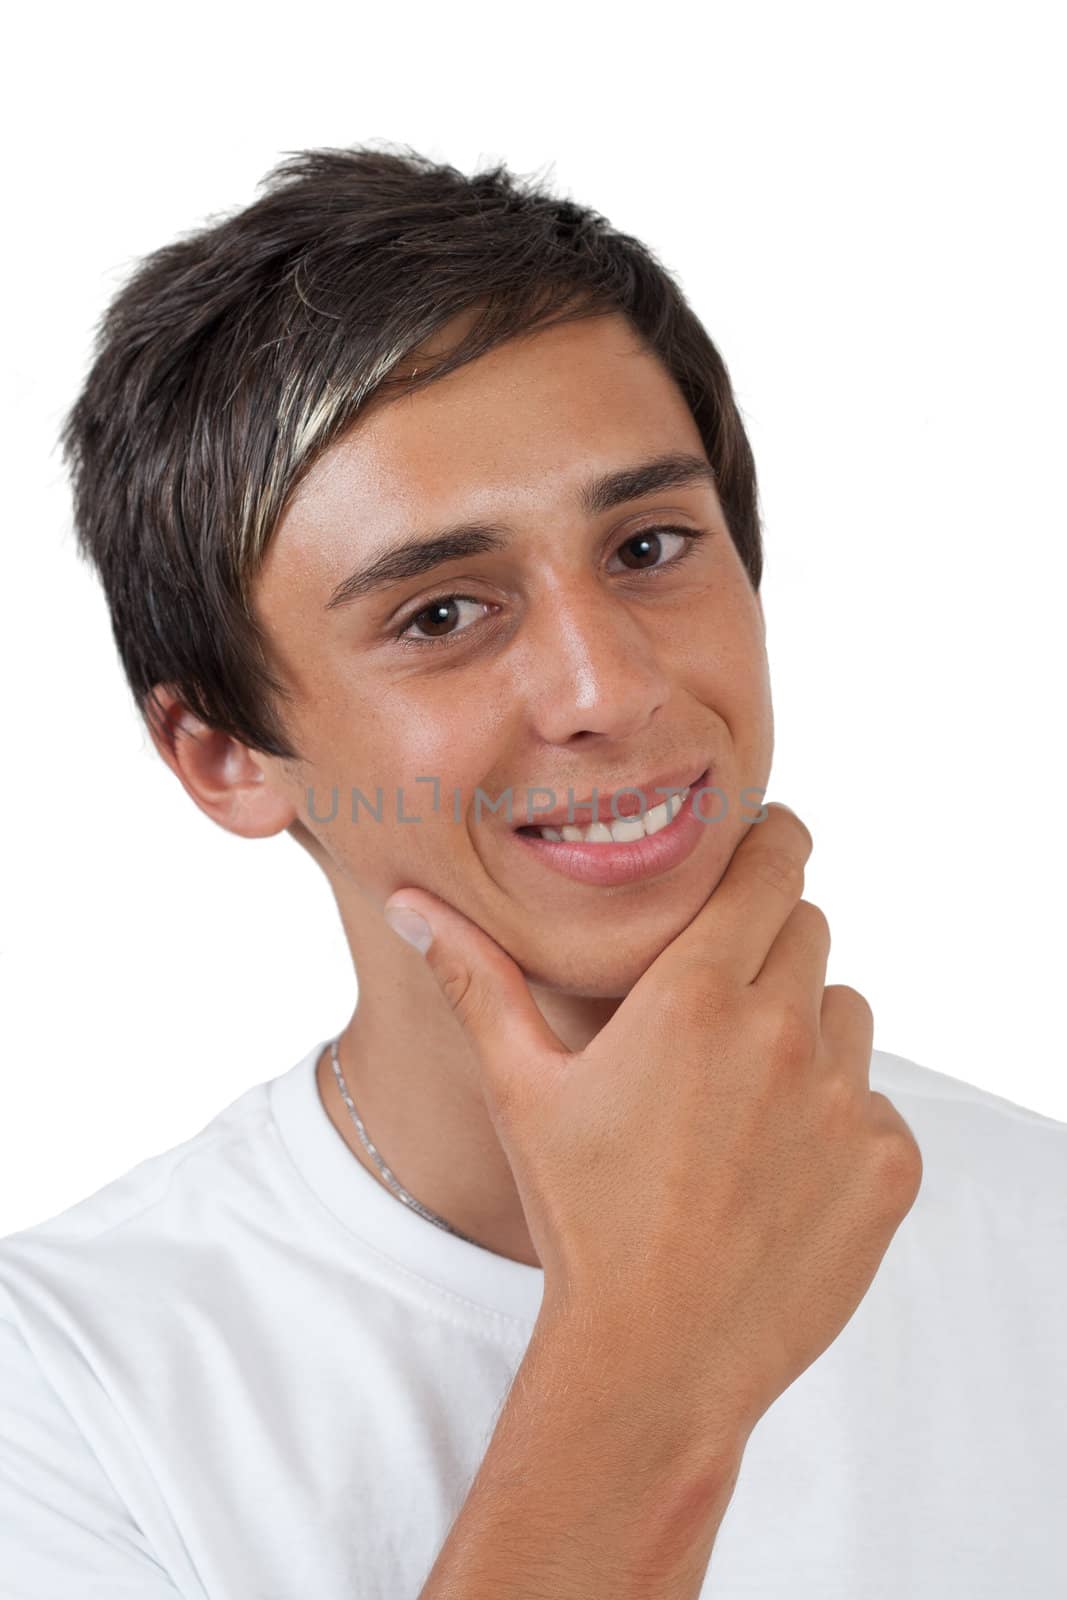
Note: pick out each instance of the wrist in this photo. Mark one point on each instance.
(687, 1438)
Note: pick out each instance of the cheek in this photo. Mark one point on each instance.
(442, 736)
(425, 750)
(721, 648)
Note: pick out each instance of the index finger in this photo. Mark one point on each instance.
(740, 920)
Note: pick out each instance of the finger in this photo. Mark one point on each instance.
(488, 995)
(796, 962)
(847, 1024)
(731, 934)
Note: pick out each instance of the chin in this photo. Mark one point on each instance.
(580, 978)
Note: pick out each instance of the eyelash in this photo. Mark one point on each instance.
(690, 535)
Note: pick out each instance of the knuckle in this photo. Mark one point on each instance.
(799, 828)
(816, 919)
(840, 1098)
(789, 1034)
(905, 1163)
(457, 985)
(843, 996)
(806, 840)
(779, 869)
(899, 1158)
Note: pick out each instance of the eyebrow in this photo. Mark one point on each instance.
(422, 554)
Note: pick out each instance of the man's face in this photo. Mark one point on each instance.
(572, 658)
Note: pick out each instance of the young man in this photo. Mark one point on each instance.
(601, 1254)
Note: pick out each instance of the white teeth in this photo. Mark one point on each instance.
(625, 829)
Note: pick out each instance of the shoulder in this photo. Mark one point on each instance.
(143, 1217)
(61, 1515)
(909, 1078)
(980, 1147)
(942, 1100)
(91, 1299)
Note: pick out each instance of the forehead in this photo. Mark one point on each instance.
(527, 421)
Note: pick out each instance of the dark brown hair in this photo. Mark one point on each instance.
(233, 357)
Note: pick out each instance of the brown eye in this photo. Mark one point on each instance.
(646, 546)
(440, 615)
(436, 623)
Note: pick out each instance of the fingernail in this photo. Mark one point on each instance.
(410, 926)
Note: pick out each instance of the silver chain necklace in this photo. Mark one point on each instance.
(397, 1188)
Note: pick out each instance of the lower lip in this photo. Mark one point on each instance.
(625, 863)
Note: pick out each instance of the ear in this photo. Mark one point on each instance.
(231, 784)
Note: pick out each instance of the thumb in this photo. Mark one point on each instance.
(485, 988)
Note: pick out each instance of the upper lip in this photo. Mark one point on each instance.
(580, 814)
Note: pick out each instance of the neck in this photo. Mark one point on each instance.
(414, 1079)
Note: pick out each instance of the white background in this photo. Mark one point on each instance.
(864, 205)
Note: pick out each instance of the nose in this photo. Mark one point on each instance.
(592, 666)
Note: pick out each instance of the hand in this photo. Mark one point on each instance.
(711, 1184)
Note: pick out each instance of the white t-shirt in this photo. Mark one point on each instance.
(246, 1371)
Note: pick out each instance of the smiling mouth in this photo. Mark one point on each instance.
(621, 830)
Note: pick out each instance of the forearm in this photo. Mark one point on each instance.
(585, 1492)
